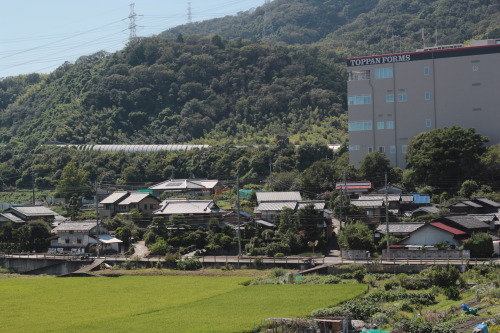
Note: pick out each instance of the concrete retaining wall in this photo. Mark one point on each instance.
(426, 254)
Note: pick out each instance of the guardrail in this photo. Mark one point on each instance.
(421, 261)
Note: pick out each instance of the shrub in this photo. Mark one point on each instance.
(443, 276)
(405, 306)
(160, 247)
(189, 264)
(331, 279)
(415, 284)
(391, 284)
(359, 275)
(277, 272)
(452, 292)
(358, 308)
(480, 245)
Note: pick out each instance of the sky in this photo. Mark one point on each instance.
(38, 36)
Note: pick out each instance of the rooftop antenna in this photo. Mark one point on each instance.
(190, 16)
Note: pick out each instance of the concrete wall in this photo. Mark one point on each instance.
(43, 266)
(427, 254)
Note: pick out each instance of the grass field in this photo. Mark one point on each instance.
(156, 303)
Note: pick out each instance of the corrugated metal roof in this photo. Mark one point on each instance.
(184, 184)
(277, 196)
(421, 198)
(34, 211)
(318, 204)
(114, 197)
(267, 224)
(488, 202)
(108, 239)
(447, 228)
(471, 203)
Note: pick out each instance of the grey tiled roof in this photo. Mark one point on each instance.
(488, 202)
(170, 207)
(35, 211)
(277, 196)
(390, 197)
(76, 226)
(427, 209)
(467, 221)
(12, 217)
(114, 197)
(368, 203)
(400, 228)
(134, 198)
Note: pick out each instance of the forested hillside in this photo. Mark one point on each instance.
(172, 91)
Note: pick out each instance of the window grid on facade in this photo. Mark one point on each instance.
(381, 149)
(354, 147)
(427, 123)
(427, 70)
(383, 73)
(427, 95)
(389, 98)
(380, 125)
(392, 149)
(402, 97)
(359, 99)
(404, 148)
(389, 124)
(364, 125)
(370, 150)
(359, 75)
(475, 68)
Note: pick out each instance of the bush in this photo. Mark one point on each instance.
(452, 292)
(276, 247)
(159, 248)
(415, 284)
(189, 264)
(443, 276)
(359, 275)
(331, 279)
(358, 308)
(277, 272)
(391, 284)
(480, 246)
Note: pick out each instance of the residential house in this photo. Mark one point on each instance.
(278, 196)
(435, 232)
(391, 189)
(122, 202)
(195, 213)
(375, 210)
(423, 211)
(195, 187)
(82, 237)
(268, 210)
(354, 187)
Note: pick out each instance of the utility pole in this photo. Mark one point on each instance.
(96, 217)
(387, 218)
(238, 212)
(33, 185)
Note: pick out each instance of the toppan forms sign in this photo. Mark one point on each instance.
(379, 60)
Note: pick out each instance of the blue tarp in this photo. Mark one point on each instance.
(421, 198)
(482, 328)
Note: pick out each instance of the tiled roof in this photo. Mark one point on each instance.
(170, 207)
(275, 205)
(467, 221)
(400, 228)
(35, 211)
(368, 203)
(135, 198)
(12, 217)
(449, 229)
(427, 209)
(76, 226)
(485, 217)
(318, 204)
(390, 197)
(115, 197)
(488, 202)
(278, 196)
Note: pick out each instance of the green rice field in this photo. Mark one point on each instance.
(156, 303)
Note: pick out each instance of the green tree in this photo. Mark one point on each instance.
(468, 188)
(480, 245)
(309, 218)
(445, 156)
(373, 168)
(287, 221)
(356, 236)
(74, 181)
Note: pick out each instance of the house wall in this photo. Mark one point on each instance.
(428, 236)
(146, 206)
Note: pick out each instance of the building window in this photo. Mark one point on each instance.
(381, 149)
(404, 148)
(389, 98)
(389, 124)
(427, 95)
(383, 73)
(359, 75)
(475, 68)
(364, 125)
(66, 240)
(380, 125)
(402, 97)
(359, 99)
(427, 123)
(354, 147)
(427, 70)
(152, 206)
(78, 241)
(392, 149)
